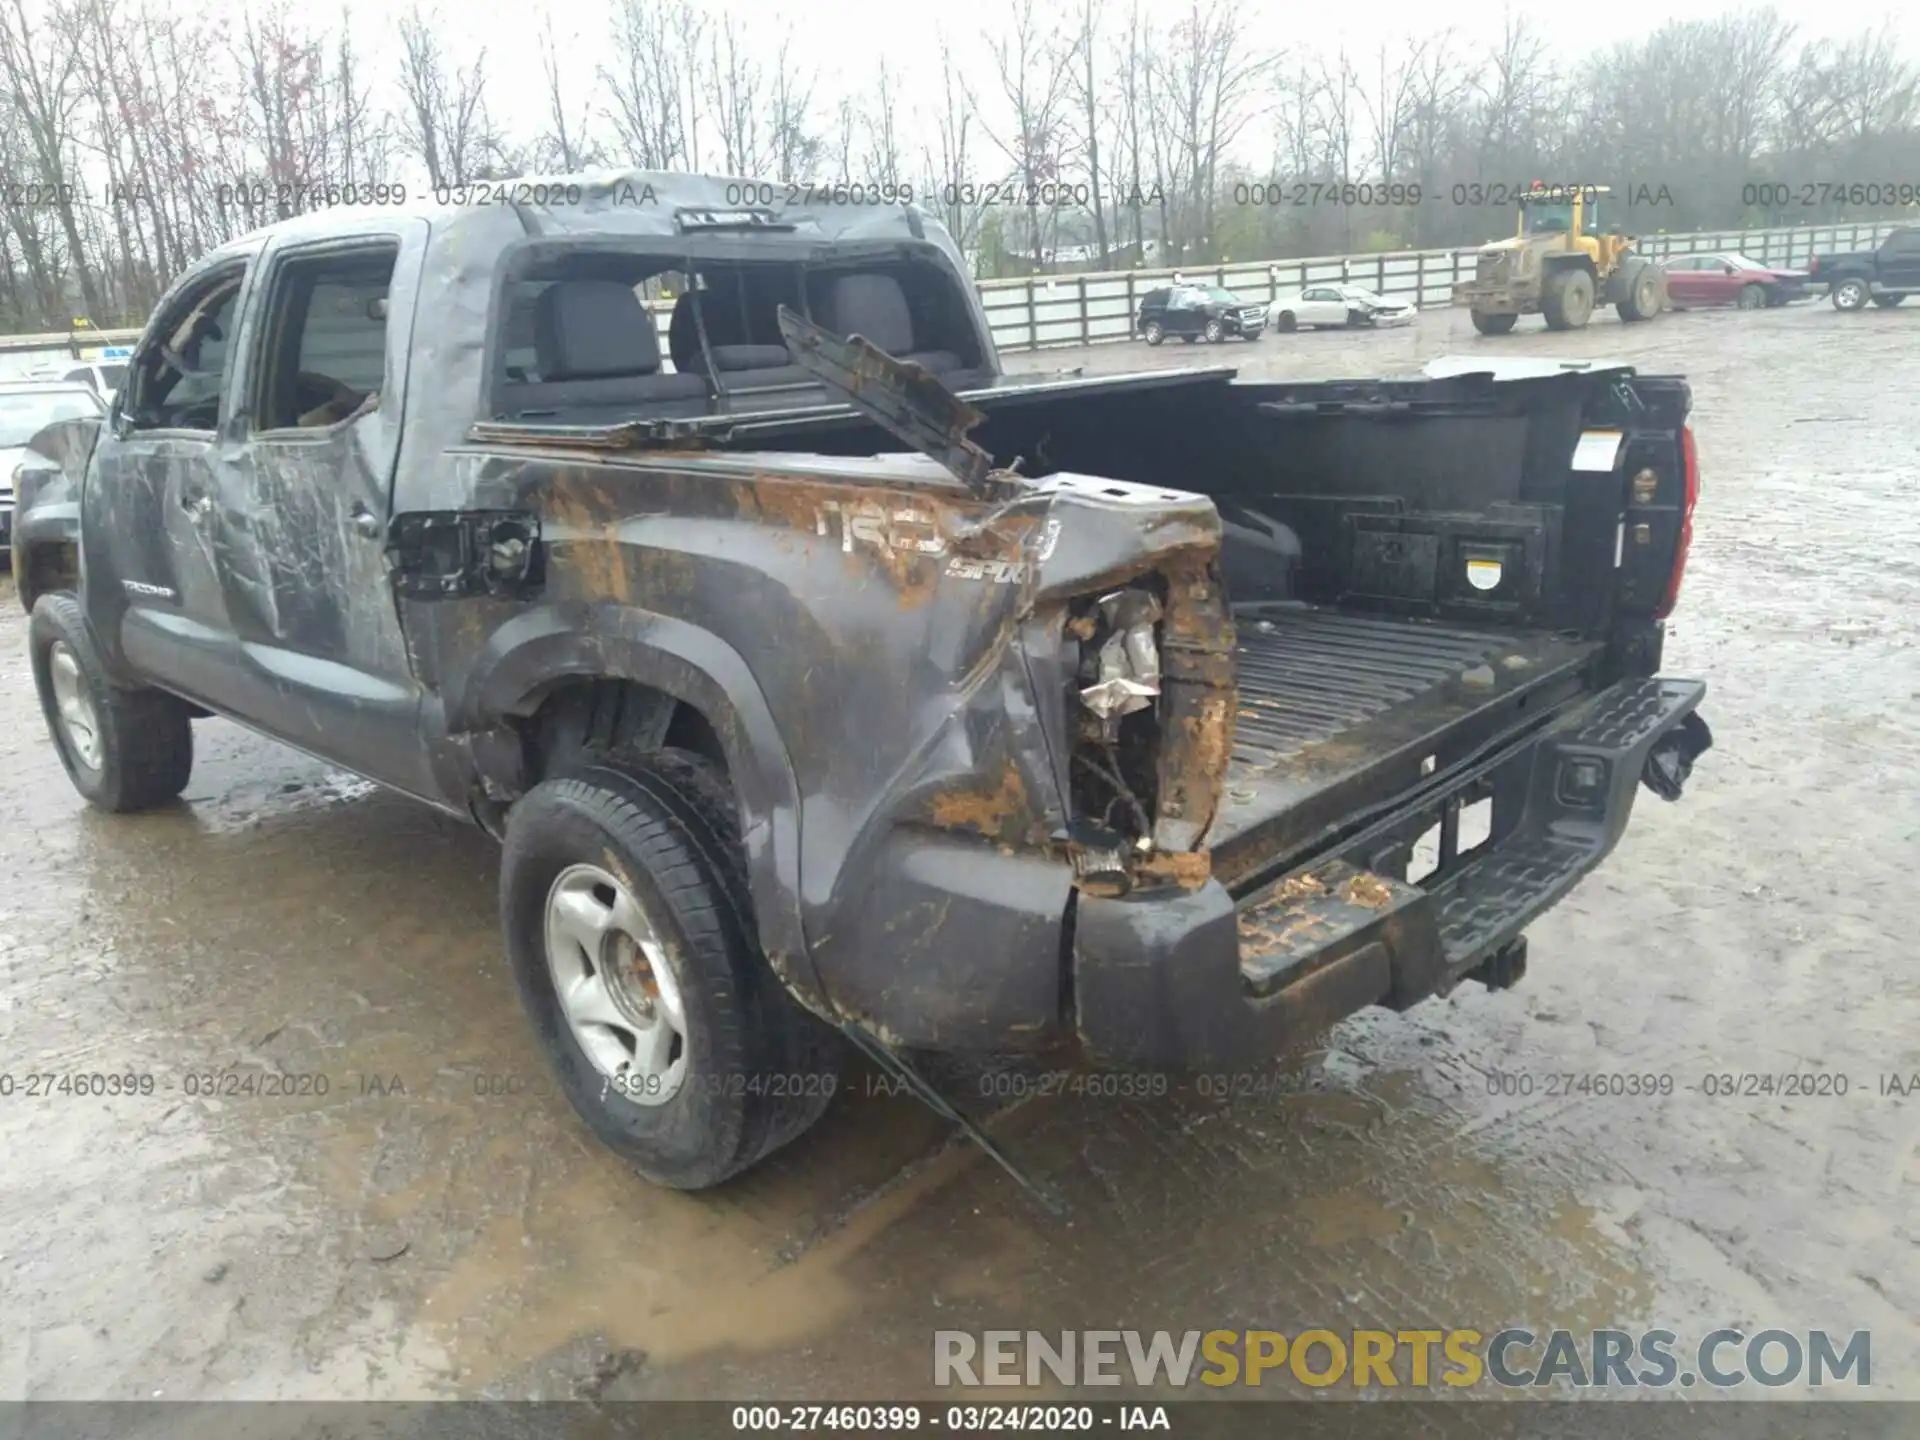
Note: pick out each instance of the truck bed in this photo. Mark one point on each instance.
(1338, 710)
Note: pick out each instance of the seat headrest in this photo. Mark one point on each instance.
(873, 306)
(750, 357)
(590, 329)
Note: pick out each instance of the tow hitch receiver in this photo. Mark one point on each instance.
(1671, 761)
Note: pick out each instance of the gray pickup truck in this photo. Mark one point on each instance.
(826, 684)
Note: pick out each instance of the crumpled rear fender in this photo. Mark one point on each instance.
(543, 647)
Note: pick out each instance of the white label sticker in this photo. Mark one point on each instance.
(1484, 574)
(1598, 450)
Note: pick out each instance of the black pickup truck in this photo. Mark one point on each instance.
(827, 685)
(1886, 275)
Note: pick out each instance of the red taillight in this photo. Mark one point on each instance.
(1690, 463)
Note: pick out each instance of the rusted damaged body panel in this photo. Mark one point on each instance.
(855, 628)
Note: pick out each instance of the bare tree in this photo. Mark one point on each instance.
(566, 145)
(1032, 68)
(1132, 57)
(953, 127)
(795, 147)
(652, 83)
(883, 161)
(445, 121)
(734, 96)
(136, 134)
(1087, 92)
(1206, 89)
(42, 71)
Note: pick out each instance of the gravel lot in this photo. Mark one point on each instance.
(402, 1235)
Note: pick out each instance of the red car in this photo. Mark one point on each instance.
(1729, 278)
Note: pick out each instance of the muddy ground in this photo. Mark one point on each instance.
(403, 1236)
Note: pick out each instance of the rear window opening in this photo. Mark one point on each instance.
(603, 336)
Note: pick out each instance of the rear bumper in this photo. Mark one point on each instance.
(1208, 979)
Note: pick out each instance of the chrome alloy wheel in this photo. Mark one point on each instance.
(79, 726)
(615, 984)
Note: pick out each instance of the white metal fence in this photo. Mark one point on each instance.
(1050, 310)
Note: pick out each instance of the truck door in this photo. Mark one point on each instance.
(149, 533)
(307, 483)
(1900, 260)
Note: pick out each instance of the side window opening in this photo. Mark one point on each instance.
(175, 383)
(325, 356)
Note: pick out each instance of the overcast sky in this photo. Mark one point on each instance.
(843, 41)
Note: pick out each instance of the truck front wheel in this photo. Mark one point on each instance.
(1567, 299)
(124, 749)
(630, 930)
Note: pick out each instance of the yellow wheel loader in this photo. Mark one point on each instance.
(1558, 264)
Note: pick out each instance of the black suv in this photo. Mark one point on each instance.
(1194, 312)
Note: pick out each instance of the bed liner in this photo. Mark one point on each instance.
(1337, 708)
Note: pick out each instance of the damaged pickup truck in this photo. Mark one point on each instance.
(826, 683)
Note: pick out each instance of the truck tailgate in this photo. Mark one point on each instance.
(1338, 711)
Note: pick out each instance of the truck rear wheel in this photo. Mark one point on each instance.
(1851, 295)
(1567, 299)
(1493, 324)
(123, 749)
(630, 929)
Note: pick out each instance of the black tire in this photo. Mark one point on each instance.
(1359, 320)
(1288, 321)
(1851, 294)
(1494, 324)
(1215, 332)
(1566, 299)
(1188, 339)
(1154, 333)
(1887, 302)
(1642, 293)
(1752, 297)
(142, 740)
(759, 1069)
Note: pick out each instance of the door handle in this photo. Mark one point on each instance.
(195, 501)
(367, 523)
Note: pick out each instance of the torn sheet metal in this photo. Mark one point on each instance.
(1129, 658)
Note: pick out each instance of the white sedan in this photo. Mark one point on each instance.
(1338, 303)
